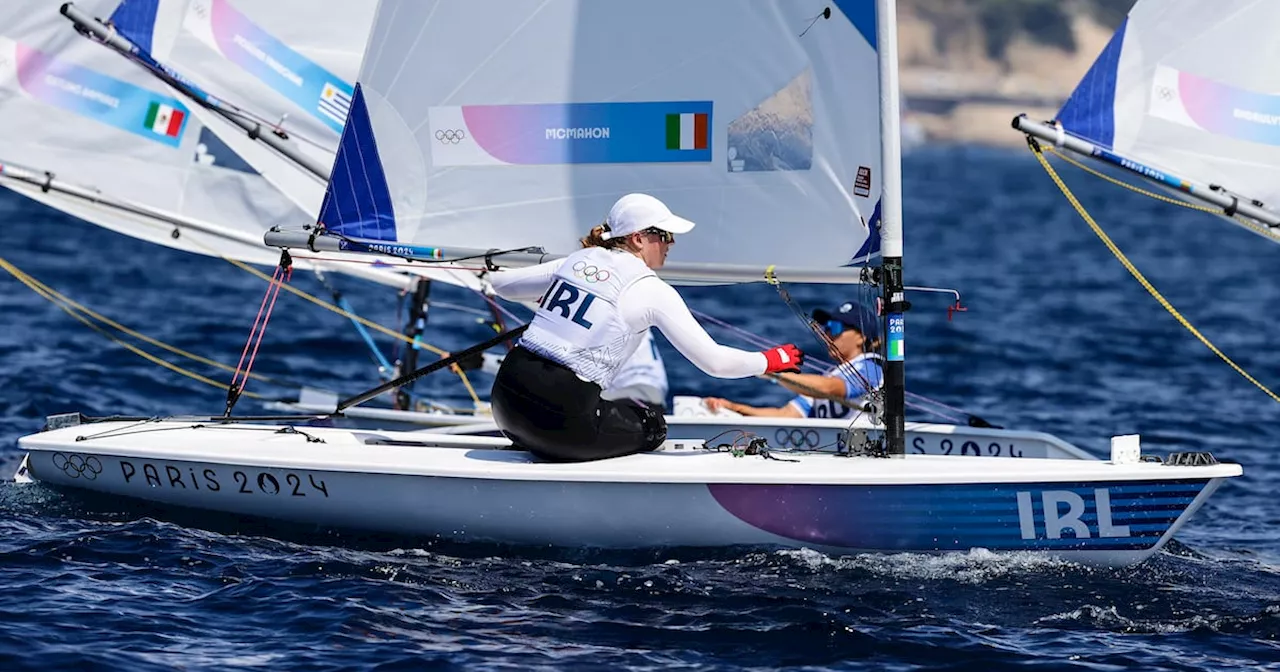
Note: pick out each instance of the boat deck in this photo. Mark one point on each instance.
(410, 453)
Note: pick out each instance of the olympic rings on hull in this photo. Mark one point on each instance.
(76, 465)
(797, 438)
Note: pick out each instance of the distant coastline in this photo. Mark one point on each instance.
(969, 66)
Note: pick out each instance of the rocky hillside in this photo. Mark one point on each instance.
(969, 66)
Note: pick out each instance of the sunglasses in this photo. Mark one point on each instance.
(834, 328)
(664, 236)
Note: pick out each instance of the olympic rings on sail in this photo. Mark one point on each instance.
(590, 273)
(451, 136)
(77, 466)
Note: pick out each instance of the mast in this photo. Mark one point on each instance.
(894, 303)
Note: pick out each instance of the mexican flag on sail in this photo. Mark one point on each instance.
(687, 131)
(164, 120)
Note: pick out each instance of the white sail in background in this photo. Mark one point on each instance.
(1192, 88)
(74, 113)
(290, 61)
(519, 123)
(71, 108)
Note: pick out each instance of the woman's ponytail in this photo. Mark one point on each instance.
(596, 237)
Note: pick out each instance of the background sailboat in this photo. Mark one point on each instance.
(96, 136)
(82, 119)
(1181, 96)
(287, 64)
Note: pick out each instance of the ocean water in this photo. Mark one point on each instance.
(1057, 337)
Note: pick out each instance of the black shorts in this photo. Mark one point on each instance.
(545, 408)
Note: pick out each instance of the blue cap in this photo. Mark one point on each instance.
(853, 315)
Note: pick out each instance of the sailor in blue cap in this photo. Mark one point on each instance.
(854, 330)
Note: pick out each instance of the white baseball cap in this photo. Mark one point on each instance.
(636, 212)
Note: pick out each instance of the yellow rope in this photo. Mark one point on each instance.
(462, 375)
(57, 300)
(329, 306)
(56, 297)
(1253, 226)
(1084, 214)
(62, 301)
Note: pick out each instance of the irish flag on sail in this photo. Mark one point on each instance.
(687, 131)
(164, 120)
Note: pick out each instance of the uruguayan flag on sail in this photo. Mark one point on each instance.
(334, 103)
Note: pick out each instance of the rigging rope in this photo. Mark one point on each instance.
(67, 305)
(821, 333)
(818, 331)
(282, 275)
(71, 307)
(462, 375)
(1038, 151)
(819, 366)
(56, 297)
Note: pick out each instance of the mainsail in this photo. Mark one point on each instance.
(518, 125)
(1187, 92)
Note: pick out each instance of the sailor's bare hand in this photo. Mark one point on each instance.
(714, 404)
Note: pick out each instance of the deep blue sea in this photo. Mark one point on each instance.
(1058, 338)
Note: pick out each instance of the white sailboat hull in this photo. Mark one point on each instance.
(477, 488)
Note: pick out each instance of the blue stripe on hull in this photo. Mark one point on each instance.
(1012, 516)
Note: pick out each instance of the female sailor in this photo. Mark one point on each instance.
(595, 305)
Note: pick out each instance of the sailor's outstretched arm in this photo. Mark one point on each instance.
(524, 284)
(652, 302)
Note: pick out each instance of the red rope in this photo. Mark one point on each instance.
(241, 376)
(275, 292)
(275, 278)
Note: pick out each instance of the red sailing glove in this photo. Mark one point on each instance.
(784, 358)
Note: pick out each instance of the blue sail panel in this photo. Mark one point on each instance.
(357, 202)
(871, 246)
(862, 14)
(136, 20)
(1090, 111)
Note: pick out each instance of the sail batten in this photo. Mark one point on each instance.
(547, 112)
